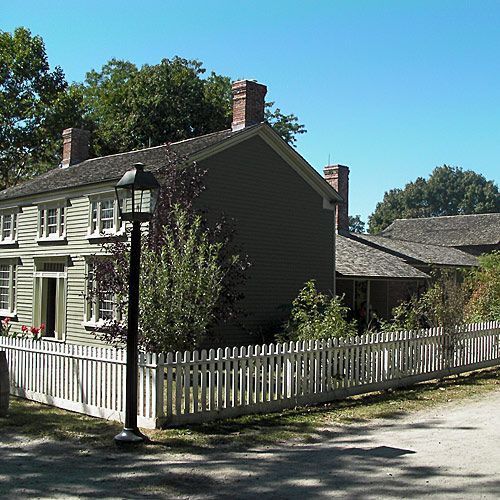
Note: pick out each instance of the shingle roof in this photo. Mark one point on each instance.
(420, 252)
(109, 168)
(454, 230)
(354, 258)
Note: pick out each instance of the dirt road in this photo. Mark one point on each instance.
(452, 451)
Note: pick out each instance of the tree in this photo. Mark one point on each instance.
(356, 225)
(447, 191)
(134, 108)
(191, 273)
(35, 106)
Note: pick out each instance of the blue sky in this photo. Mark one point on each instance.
(390, 88)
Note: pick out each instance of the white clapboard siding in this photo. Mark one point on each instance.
(188, 387)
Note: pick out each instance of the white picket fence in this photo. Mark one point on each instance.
(200, 386)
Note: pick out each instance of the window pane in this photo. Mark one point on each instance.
(42, 222)
(4, 286)
(107, 214)
(52, 220)
(93, 222)
(6, 226)
(61, 229)
(106, 306)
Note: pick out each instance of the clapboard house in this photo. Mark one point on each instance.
(283, 209)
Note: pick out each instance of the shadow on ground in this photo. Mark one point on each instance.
(343, 459)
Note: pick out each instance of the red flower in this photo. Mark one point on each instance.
(6, 321)
(42, 326)
(24, 328)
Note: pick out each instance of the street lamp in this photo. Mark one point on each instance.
(136, 193)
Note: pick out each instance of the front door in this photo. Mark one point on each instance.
(50, 299)
(50, 306)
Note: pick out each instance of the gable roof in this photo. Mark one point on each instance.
(448, 231)
(419, 253)
(356, 259)
(110, 168)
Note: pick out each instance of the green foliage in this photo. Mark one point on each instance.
(442, 304)
(484, 284)
(180, 286)
(447, 191)
(35, 106)
(316, 316)
(356, 225)
(136, 107)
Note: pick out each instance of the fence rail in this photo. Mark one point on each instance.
(198, 386)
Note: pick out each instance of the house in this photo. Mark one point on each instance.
(474, 234)
(284, 212)
(380, 271)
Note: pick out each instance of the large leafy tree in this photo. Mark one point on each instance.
(135, 107)
(36, 104)
(447, 191)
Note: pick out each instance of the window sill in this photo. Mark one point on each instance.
(8, 314)
(98, 237)
(9, 243)
(93, 325)
(48, 240)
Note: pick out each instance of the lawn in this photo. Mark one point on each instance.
(33, 420)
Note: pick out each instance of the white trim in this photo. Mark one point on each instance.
(294, 159)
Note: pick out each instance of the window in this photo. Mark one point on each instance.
(104, 217)
(52, 222)
(100, 306)
(8, 227)
(7, 288)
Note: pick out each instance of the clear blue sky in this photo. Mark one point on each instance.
(390, 88)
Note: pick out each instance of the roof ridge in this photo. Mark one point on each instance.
(153, 147)
(444, 216)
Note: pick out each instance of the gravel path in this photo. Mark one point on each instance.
(452, 451)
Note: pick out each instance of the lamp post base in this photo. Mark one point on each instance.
(129, 436)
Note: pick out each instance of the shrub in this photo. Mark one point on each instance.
(484, 285)
(317, 316)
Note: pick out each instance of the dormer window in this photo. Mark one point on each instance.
(8, 227)
(104, 218)
(52, 222)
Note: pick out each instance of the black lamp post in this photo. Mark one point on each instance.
(136, 193)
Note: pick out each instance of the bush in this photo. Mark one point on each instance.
(316, 316)
(180, 287)
(442, 304)
(484, 285)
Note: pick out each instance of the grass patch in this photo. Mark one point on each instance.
(35, 420)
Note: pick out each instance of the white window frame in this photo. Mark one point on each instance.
(95, 224)
(61, 294)
(92, 307)
(12, 266)
(8, 214)
(60, 206)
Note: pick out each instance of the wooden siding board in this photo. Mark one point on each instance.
(280, 223)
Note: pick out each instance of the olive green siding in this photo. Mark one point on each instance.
(280, 223)
(76, 247)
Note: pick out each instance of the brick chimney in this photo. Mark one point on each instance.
(248, 103)
(338, 177)
(75, 146)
